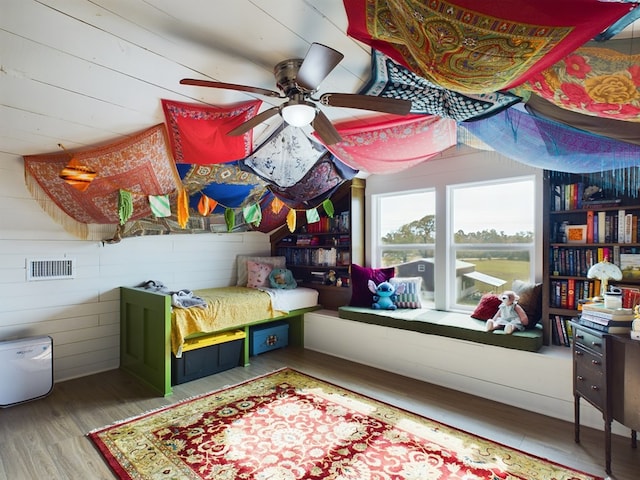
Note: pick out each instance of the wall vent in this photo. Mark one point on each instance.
(50, 268)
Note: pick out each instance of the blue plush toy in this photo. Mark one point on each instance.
(384, 295)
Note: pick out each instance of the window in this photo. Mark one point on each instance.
(488, 232)
(491, 240)
(407, 235)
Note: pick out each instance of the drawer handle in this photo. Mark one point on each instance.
(596, 362)
(581, 337)
(578, 353)
(596, 344)
(595, 387)
(580, 377)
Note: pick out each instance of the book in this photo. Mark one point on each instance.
(602, 229)
(590, 226)
(599, 310)
(603, 328)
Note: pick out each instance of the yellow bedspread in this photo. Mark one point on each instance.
(227, 307)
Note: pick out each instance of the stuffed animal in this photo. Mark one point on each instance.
(384, 295)
(282, 278)
(510, 316)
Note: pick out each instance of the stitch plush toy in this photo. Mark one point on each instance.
(509, 316)
(384, 295)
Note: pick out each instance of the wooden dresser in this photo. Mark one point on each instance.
(606, 373)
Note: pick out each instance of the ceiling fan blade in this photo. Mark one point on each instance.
(253, 122)
(325, 129)
(367, 102)
(231, 86)
(317, 64)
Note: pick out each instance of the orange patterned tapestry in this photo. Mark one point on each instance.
(478, 47)
(141, 165)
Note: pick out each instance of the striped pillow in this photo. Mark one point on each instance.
(410, 298)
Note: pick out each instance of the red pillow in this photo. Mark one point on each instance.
(361, 296)
(487, 307)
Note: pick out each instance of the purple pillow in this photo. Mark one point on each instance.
(361, 296)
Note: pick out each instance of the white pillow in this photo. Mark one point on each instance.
(243, 277)
(410, 298)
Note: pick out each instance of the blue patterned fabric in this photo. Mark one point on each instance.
(389, 79)
(550, 145)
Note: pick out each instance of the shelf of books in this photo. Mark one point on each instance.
(584, 226)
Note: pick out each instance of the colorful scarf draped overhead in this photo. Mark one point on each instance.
(593, 81)
(388, 79)
(389, 143)
(141, 165)
(225, 183)
(198, 133)
(550, 145)
(479, 47)
(616, 129)
(285, 157)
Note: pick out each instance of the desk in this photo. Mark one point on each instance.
(605, 373)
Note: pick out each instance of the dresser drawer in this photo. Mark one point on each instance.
(588, 339)
(590, 380)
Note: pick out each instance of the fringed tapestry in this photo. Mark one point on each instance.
(615, 129)
(551, 145)
(390, 143)
(140, 164)
(592, 81)
(198, 133)
(389, 79)
(285, 157)
(479, 47)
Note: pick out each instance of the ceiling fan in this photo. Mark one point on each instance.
(298, 79)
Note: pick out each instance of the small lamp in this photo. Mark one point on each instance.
(604, 271)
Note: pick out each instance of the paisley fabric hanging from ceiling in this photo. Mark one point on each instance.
(593, 81)
(550, 145)
(479, 47)
(140, 164)
(389, 79)
(285, 157)
(198, 133)
(387, 144)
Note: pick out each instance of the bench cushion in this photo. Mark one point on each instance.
(446, 324)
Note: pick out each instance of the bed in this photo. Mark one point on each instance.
(152, 331)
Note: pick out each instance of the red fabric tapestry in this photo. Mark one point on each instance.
(389, 143)
(140, 164)
(479, 47)
(198, 133)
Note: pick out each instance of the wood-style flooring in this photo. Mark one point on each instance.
(46, 438)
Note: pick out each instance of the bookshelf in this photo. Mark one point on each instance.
(313, 250)
(579, 233)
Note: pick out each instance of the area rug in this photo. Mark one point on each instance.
(287, 425)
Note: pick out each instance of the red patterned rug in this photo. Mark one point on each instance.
(287, 425)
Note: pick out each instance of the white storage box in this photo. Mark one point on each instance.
(27, 370)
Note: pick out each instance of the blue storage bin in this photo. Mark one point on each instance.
(268, 336)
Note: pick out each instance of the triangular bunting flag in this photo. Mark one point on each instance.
(276, 205)
(291, 220)
(230, 219)
(183, 208)
(160, 205)
(125, 206)
(312, 215)
(252, 214)
(327, 205)
(206, 205)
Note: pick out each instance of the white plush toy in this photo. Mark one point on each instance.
(510, 316)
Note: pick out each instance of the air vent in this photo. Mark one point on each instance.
(50, 268)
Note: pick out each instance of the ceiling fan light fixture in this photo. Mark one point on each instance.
(298, 114)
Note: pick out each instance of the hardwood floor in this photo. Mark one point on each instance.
(46, 438)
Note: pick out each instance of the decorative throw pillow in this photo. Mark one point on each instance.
(258, 274)
(530, 300)
(361, 296)
(275, 262)
(282, 278)
(410, 298)
(487, 307)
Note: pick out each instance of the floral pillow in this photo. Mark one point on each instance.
(258, 274)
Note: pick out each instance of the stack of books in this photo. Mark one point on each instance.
(607, 320)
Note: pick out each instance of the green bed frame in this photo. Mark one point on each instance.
(145, 340)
